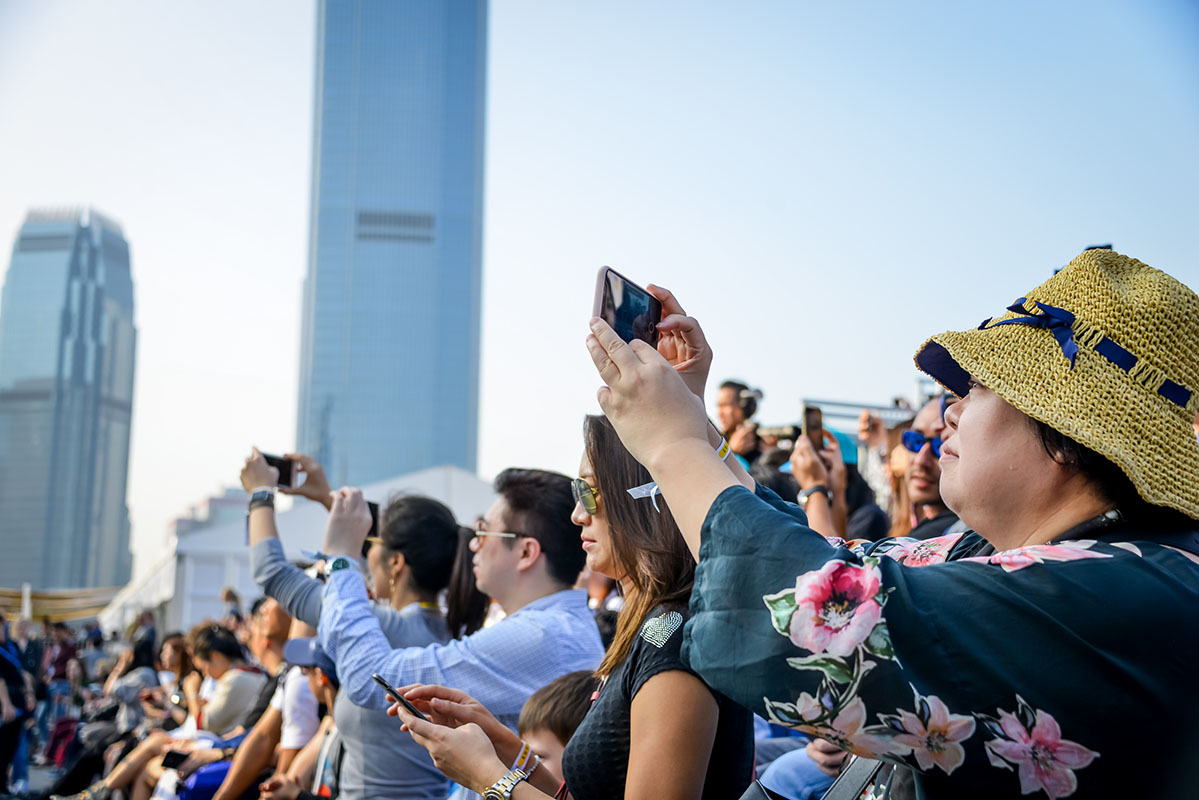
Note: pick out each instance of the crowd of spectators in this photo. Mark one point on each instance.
(612, 635)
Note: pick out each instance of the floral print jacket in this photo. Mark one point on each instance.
(1061, 670)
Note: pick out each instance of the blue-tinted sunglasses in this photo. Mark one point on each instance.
(914, 441)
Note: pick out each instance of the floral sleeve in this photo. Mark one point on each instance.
(1002, 672)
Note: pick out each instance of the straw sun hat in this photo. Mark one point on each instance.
(1105, 352)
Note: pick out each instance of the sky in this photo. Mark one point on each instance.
(822, 185)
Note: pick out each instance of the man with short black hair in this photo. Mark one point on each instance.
(527, 557)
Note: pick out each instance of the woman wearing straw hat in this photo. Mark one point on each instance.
(1050, 653)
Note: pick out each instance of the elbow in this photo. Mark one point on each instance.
(362, 692)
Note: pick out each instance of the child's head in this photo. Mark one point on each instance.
(550, 717)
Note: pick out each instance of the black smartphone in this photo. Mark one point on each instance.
(813, 426)
(286, 469)
(399, 698)
(631, 311)
(173, 759)
(374, 532)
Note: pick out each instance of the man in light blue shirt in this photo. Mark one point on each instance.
(527, 556)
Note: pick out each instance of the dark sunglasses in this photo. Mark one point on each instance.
(915, 441)
(584, 493)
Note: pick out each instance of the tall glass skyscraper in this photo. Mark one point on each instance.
(389, 369)
(67, 346)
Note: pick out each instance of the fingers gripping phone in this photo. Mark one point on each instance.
(399, 698)
(631, 311)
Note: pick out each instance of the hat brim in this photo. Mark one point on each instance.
(1095, 403)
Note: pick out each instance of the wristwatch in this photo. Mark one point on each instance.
(811, 490)
(341, 562)
(262, 497)
(502, 789)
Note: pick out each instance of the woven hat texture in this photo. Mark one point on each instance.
(1118, 413)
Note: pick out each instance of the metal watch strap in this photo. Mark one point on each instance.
(502, 789)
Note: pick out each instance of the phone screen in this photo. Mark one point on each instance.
(284, 466)
(631, 311)
(399, 698)
(173, 759)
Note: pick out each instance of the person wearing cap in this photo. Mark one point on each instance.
(321, 672)
(1051, 650)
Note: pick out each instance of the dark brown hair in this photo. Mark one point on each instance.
(558, 707)
(646, 544)
(433, 544)
(539, 506)
(1110, 480)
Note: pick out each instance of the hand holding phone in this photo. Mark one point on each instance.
(631, 311)
(173, 759)
(399, 698)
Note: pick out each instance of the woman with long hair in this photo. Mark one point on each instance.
(1037, 653)
(419, 553)
(654, 728)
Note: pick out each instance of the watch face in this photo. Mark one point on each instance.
(493, 794)
(341, 562)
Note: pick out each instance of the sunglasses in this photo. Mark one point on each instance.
(915, 441)
(585, 494)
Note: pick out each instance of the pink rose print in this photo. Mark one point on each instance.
(933, 734)
(1021, 557)
(836, 608)
(1032, 741)
(921, 553)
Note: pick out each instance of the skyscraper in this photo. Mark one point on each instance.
(67, 346)
(390, 343)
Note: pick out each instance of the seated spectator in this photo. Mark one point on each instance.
(553, 714)
(218, 655)
(653, 722)
(12, 702)
(330, 751)
(421, 551)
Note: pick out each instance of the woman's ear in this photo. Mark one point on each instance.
(398, 562)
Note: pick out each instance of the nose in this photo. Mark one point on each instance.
(579, 515)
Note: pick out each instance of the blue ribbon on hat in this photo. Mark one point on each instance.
(1060, 323)
(1057, 321)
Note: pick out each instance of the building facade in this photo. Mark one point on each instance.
(389, 370)
(67, 346)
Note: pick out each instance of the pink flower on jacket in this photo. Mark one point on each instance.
(1033, 742)
(933, 735)
(846, 730)
(1021, 557)
(837, 607)
(922, 552)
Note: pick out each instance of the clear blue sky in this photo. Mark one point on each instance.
(824, 185)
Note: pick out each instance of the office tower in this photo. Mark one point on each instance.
(67, 346)
(390, 342)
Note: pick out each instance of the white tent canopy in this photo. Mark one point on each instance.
(184, 587)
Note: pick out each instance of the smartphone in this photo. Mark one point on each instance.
(285, 467)
(374, 531)
(813, 426)
(631, 311)
(399, 698)
(173, 759)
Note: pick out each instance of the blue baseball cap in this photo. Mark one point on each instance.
(307, 652)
